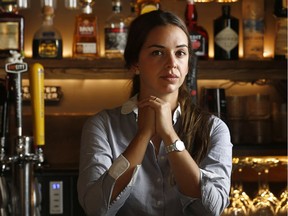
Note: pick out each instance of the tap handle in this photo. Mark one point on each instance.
(36, 76)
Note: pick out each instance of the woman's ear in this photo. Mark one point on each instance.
(135, 69)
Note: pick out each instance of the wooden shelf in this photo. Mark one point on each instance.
(272, 149)
(103, 68)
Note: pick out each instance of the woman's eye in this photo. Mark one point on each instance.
(157, 52)
(180, 53)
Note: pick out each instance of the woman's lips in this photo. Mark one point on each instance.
(170, 77)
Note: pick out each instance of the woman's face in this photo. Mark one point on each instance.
(163, 61)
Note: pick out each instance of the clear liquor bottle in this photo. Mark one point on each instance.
(144, 6)
(115, 32)
(253, 28)
(11, 29)
(47, 41)
(226, 36)
(85, 40)
(132, 14)
(198, 35)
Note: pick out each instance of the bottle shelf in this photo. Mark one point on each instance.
(271, 149)
(103, 68)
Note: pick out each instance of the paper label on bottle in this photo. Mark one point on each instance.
(86, 48)
(115, 38)
(253, 31)
(9, 34)
(281, 37)
(198, 44)
(49, 34)
(48, 48)
(86, 29)
(227, 39)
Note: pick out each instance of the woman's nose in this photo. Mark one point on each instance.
(171, 61)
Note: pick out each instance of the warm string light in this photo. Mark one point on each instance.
(219, 1)
(226, 1)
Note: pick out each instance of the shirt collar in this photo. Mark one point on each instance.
(131, 106)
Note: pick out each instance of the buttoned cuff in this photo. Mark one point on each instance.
(120, 165)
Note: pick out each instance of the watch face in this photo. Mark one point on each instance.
(179, 145)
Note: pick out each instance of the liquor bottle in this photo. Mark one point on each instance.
(253, 28)
(85, 41)
(144, 6)
(132, 14)
(191, 79)
(47, 41)
(226, 36)
(198, 35)
(280, 12)
(115, 32)
(11, 29)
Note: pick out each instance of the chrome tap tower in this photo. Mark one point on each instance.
(17, 169)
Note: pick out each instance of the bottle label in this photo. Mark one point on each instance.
(115, 38)
(227, 39)
(198, 44)
(50, 34)
(86, 29)
(48, 48)
(281, 37)
(253, 38)
(86, 48)
(9, 34)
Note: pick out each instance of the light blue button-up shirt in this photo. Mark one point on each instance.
(151, 191)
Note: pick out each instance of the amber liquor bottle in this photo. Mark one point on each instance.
(11, 29)
(47, 41)
(144, 6)
(198, 35)
(226, 36)
(115, 32)
(280, 12)
(85, 41)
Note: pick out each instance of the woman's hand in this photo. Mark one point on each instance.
(163, 125)
(146, 120)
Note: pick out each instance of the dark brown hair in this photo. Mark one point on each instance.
(196, 124)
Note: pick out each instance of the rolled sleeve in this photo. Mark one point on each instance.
(120, 165)
(215, 175)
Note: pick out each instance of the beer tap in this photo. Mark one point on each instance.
(23, 160)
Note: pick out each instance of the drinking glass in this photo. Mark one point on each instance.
(282, 207)
(240, 202)
(265, 203)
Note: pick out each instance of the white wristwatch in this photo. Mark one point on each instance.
(178, 146)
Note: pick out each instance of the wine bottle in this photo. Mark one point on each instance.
(198, 35)
(11, 29)
(47, 41)
(226, 36)
(280, 12)
(115, 32)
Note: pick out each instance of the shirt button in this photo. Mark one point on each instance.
(162, 157)
(159, 180)
(159, 203)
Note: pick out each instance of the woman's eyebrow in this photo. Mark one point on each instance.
(160, 46)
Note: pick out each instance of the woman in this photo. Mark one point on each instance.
(157, 154)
